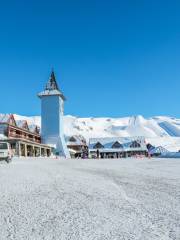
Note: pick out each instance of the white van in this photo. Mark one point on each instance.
(5, 152)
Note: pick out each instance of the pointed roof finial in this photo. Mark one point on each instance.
(52, 88)
(52, 84)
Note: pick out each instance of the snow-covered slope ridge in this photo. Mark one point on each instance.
(159, 131)
(120, 127)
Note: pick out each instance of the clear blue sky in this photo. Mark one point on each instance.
(111, 58)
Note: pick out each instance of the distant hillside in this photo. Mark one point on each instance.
(160, 130)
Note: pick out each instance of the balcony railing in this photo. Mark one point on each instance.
(25, 137)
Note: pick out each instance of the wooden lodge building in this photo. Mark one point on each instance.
(25, 140)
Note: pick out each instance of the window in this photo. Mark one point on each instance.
(3, 146)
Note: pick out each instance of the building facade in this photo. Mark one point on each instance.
(117, 147)
(25, 140)
(77, 146)
(52, 113)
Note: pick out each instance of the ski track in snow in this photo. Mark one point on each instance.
(90, 199)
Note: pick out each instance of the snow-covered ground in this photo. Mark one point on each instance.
(113, 199)
(159, 131)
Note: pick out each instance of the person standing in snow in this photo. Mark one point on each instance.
(97, 153)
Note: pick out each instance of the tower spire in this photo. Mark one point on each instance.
(52, 84)
(52, 88)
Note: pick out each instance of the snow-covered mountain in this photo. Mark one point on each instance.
(119, 127)
(164, 131)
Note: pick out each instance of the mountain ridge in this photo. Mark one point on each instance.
(158, 130)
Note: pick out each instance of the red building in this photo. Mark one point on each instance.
(25, 139)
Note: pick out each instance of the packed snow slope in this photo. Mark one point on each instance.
(161, 130)
(115, 199)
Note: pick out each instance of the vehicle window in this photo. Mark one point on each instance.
(3, 146)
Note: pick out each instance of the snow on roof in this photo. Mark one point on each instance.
(51, 92)
(52, 88)
(21, 123)
(4, 117)
(172, 144)
(125, 141)
(75, 140)
(34, 128)
(158, 150)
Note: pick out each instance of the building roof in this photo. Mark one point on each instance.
(51, 88)
(52, 84)
(75, 140)
(126, 143)
(10, 119)
(22, 124)
(5, 118)
(34, 128)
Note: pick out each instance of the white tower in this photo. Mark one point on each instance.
(52, 110)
